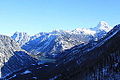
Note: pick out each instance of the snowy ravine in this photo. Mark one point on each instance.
(48, 44)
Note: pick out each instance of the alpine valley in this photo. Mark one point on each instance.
(80, 54)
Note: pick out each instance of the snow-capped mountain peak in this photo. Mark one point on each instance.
(102, 26)
(83, 31)
(21, 37)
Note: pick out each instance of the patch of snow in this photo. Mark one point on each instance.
(116, 64)
(12, 76)
(26, 72)
(45, 65)
(34, 77)
(84, 31)
(55, 77)
(33, 64)
(39, 63)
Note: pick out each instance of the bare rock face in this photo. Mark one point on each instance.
(12, 57)
(7, 48)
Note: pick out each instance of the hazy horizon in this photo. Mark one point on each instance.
(44, 16)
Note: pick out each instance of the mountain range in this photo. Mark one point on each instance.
(80, 54)
(97, 60)
(49, 44)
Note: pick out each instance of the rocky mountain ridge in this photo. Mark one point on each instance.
(48, 44)
(12, 57)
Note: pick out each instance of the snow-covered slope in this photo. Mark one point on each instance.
(55, 41)
(102, 26)
(12, 57)
(21, 37)
(59, 40)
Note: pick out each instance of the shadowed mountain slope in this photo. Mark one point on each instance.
(12, 57)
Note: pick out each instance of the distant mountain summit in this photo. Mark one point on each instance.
(21, 37)
(102, 26)
(59, 40)
(83, 31)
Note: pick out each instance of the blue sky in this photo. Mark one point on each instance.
(33, 16)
